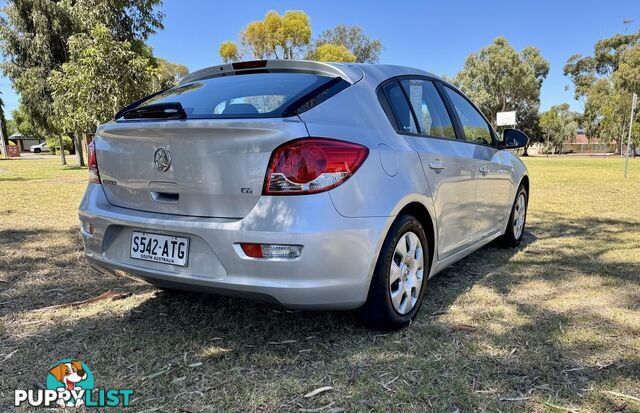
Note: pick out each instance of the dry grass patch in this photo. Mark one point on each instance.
(552, 326)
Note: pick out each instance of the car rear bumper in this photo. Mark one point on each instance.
(333, 272)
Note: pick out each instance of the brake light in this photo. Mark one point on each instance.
(94, 173)
(312, 165)
(251, 64)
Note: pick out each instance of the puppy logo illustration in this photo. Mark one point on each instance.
(70, 383)
(71, 379)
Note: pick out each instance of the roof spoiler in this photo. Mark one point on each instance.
(347, 72)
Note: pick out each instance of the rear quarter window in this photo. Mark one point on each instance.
(245, 95)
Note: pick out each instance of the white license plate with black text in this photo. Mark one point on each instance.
(165, 249)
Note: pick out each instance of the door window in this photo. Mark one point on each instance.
(431, 113)
(475, 128)
(400, 108)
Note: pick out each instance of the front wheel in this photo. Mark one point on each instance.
(399, 280)
(517, 220)
(37, 150)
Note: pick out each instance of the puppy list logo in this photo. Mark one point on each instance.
(70, 384)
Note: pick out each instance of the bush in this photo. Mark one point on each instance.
(54, 144)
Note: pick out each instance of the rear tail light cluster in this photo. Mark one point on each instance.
(272, 251)
(94, 173)
(312, 165)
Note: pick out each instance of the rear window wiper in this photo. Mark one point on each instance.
(168, 110)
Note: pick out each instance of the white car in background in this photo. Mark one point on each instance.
(42, 147)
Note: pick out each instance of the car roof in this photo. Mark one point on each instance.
(385, 71)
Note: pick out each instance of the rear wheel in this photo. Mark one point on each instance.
(37, 150)
(517, 220)
(399, 280)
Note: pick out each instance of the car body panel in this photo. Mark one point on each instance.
(207, 181)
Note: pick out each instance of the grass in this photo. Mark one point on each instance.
(552, 326)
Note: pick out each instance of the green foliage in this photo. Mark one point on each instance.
(627, 76)
(53, 142)
(329, 52)
(558, 125)
(353, 39)
(11, 127)
(499, 79)
(103, 74)
(34, 38)
(167, 74)
(22, 122)
(604, 82)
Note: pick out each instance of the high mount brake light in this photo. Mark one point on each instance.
(312, 165)
(251, 64)
(94, 173)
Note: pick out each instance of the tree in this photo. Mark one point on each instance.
(353, 39)
(330, 52)
(167, 74)
(289, 37)
(102, 75)
(558, 125)
(34, 38)
(500, 79)
(5, 133)
(627, 76)
(604, 83)
(229, 52)
(275, 37)
(22, 122)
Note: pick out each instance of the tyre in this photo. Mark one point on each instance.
(37, 150)
(399, 281)
(517, 219)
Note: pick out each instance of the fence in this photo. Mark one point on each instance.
(578, 148)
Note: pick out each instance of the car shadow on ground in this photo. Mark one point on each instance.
(490, 330)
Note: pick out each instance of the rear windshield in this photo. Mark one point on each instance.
(247, 95)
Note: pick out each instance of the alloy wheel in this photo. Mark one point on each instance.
(406, 273)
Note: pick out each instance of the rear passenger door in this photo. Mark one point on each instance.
(425, 122)
(494, 171)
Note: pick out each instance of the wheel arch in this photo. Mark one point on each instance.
(421, 213)
(524, 181)
(417, 207)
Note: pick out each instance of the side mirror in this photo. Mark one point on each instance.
(513, 138)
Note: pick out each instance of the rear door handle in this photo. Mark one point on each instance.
(437, 165)
(484, 169)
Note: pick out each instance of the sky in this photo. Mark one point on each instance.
(435, 36)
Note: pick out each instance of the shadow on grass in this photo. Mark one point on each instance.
(261, 357)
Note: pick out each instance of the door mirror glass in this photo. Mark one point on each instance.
(513, 138)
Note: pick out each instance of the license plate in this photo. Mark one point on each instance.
(160, 248)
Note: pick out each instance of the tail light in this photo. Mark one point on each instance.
(312, 165)
(94, 173)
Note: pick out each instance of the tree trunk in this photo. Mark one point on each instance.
(77, 141)
(526, 150)
(62, 157)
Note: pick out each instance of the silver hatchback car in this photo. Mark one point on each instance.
(312, 185)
